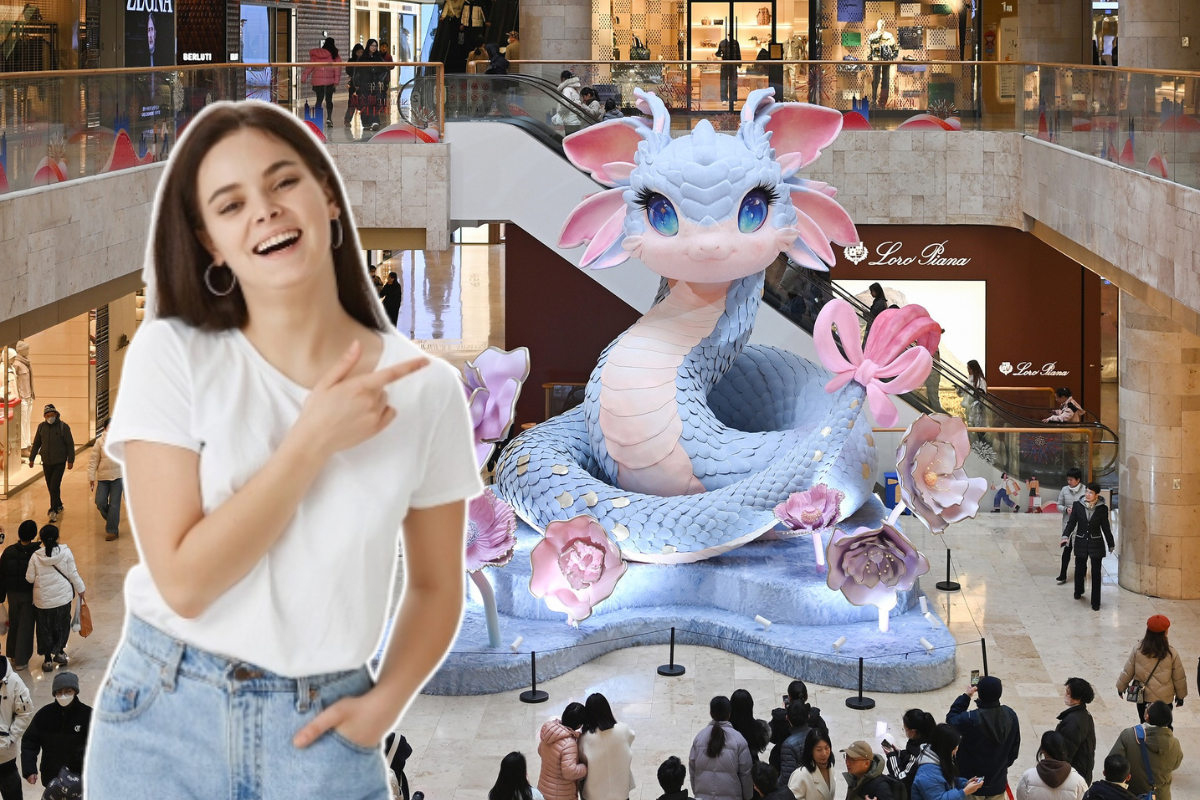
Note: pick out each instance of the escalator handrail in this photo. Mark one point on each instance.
(545, 87)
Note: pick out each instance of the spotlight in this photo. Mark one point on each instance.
(516, 643)
(924, 605)
(925, 643)
(837, 646)
(933, 621)
(766, 623)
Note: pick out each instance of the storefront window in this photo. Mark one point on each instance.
(48, 34)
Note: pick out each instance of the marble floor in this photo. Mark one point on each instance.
(1036, 635)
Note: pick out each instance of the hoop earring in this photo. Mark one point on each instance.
(337, 225)
(208, 281)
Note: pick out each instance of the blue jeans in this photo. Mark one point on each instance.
(1002, 496)
(172, 720)
(108, 500)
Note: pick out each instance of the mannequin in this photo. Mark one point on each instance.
(729, 50)
(883, 48)
(18, 359)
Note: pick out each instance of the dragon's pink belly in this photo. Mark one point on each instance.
(639, 412)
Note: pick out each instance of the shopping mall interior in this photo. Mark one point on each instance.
(697, 482)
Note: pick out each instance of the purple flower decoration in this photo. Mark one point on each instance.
(493, 383)
(575, 567)
(930, 463)
(812, 510)
(491, 532)
(869, 565)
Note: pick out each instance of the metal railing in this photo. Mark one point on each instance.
(61, 125)
(1080, 453)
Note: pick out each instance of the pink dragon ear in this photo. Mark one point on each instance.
(802, 128)
(590, 149)
(605, 250)
(827, 213)
(814, 238)
(583, 224)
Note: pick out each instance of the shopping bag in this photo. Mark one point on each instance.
(85, 619)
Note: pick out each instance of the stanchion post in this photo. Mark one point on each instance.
(860, 703)
(983, 644)
(672, 670)
(948, 585)
(534, 695)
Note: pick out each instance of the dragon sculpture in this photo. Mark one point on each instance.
(689, 436)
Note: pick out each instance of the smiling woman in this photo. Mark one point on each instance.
(256, 409)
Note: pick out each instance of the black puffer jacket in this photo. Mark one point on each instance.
(991, 741)
(54, 443)
(59, 734)
(14, 561)
(1079, 733)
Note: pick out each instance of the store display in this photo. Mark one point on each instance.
(941, 9)
(910, 9)
(910, 37)
(851, 39)
(851, 10)
(764, 16)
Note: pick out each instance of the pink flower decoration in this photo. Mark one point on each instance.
(491, 532)
(869, 565)
(930, 463)
(812, 510)
(575, 567)
(493, 383)
(887, 355)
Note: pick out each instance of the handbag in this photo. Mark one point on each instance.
(639, 51)
(764, 16)
(1140, 733)
(1135, 692)
(81, 610)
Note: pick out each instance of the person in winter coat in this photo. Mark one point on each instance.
(16, 712)
(1068, 409)
(1076, 727)
(1115, 785)
(558, 749)
(791, 752)
(1090, 517)
(324, 79)
(937, 775)
(54, 442)
(756, 732)
(58, 732)
(513, 782)
(1155, 664)
(991, 735)
(765, 778)
(671, 775)
(865, 774)
(606, 746)
(568, 88)
(392, 295)
(497, 64)
(375, 87)
(919, 727)
(590, 101)
(1162, 749)
(815, 779)
(357, 76)
(14, 563)
(1068, 496)
(1053, 778)
(611, 111)
(720, 759)
(104, 478)
(55, 580)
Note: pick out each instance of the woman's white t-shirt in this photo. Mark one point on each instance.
(318, 600)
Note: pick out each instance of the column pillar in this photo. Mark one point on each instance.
(556, 30)
(1150, 34)
(1159, 461)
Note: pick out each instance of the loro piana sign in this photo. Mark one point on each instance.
(891, 254)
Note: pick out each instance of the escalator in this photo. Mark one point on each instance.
(492, 132)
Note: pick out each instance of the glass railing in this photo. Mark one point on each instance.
(482, 97)
(63, 125)
(1007, 434)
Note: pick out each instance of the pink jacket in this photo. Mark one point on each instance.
(561, 768)
(322, 76)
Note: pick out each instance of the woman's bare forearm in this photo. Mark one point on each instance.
(217, 550)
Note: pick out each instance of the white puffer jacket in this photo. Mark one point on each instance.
(16, 712)
(50, 589)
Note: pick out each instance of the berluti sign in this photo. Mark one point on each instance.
(200, 32)
(1042, 308)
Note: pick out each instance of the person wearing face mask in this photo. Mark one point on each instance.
(58, 732)
(16, 712)
(1090, 517)
(14, 562)
(54, 442)
(55, 580)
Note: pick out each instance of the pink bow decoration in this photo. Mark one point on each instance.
(888, 353)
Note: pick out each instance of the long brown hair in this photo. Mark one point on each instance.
(179, 257)
(1154, 645)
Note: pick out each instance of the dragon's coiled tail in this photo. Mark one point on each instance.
(549, 472)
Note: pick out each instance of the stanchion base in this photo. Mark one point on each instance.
(671, 670)
(860, 703)
(534, 696)
(948, 586)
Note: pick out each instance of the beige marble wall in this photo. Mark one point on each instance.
(1159, 460)
(1055, 31)
(925, 177)
(557, 30)
(59, 241)
(1151, 34)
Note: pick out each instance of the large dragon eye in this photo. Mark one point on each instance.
(662, 215)
(753, 212)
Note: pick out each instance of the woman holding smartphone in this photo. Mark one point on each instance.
(259, 415)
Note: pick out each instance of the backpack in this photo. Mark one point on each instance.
(899, 789)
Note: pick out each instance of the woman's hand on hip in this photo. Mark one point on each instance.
(343, 411)
(358, 719)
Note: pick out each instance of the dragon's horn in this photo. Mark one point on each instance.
(650, 103)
